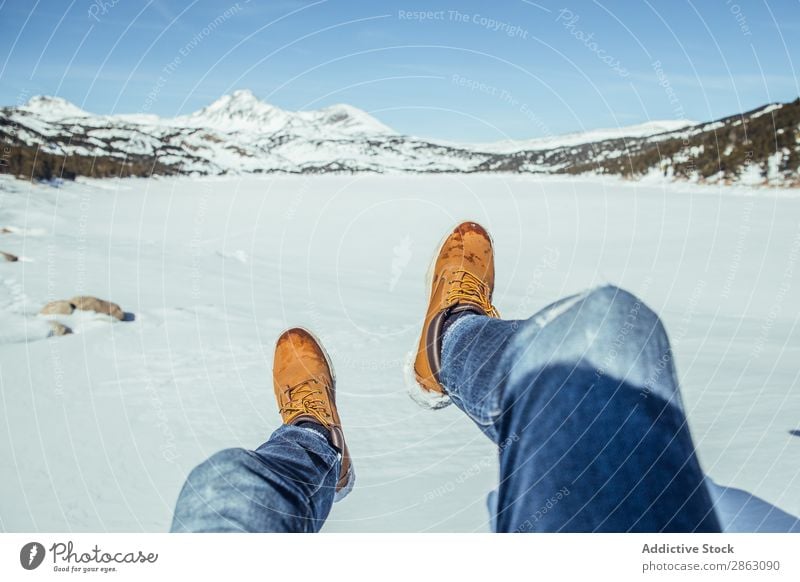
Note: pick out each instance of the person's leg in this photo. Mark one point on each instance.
(289, 483)
(285, 485)
(583, 401)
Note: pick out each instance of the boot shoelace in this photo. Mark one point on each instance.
(472, 289)
(306, 398)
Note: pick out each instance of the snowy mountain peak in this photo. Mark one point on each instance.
(239, 100)
(243, 94)
(239, 111)
(243, 111)
(349, 119)
(50, 108)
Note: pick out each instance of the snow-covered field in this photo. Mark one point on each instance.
(99, 429)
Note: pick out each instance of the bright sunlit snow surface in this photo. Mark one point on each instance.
(99, 429)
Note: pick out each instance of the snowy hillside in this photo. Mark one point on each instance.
(585, 137)
(101, 427)
(240, 134)
(757, 148)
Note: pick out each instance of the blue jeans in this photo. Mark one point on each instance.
(581, 399)
(285, 485)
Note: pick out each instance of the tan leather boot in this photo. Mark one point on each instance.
(462, 279)
(305, 390)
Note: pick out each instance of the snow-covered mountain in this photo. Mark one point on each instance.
(757, 148)
(583, 137)
(243, 112)
(240, 133)
(52, 108)
(240, 111)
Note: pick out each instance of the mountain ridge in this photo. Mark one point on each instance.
(238, 133)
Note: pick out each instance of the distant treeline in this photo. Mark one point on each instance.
(30, 162)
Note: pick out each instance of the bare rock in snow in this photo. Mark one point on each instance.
(57, 329)
(9, 257)
(89, 303)
(59, 307)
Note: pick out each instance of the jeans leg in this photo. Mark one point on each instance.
(476, 362)
(285, 485)
(583, 402)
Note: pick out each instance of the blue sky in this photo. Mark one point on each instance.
(466, 71)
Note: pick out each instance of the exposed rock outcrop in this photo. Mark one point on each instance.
(89, 303)
(59, 307)
(57, 328)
